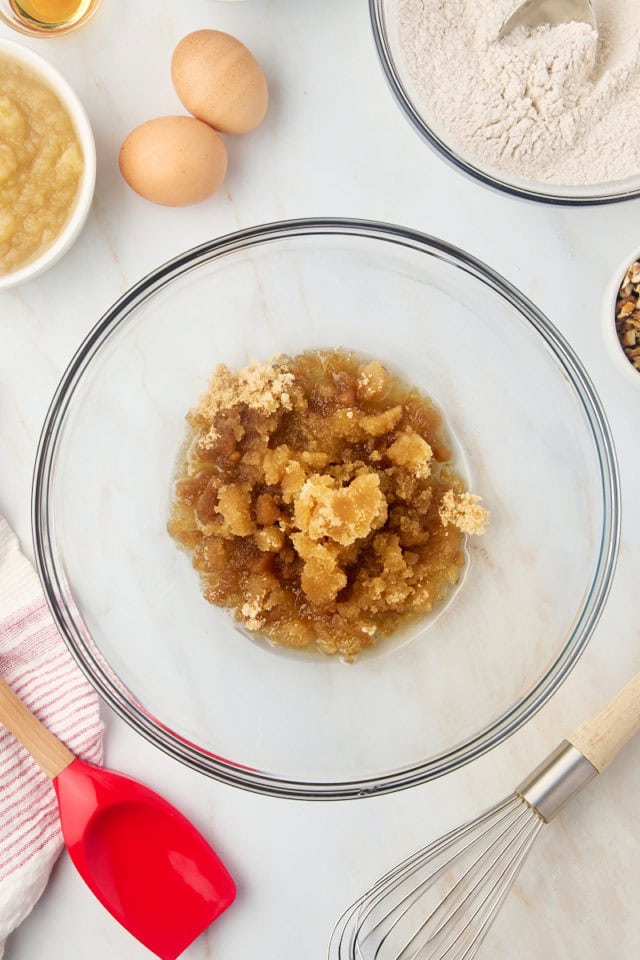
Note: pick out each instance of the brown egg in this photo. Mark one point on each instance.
(220, 81)
(175, 161)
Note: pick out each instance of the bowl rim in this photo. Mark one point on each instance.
(531, 190)
(114, 692)
(612, 341)
(84, 196)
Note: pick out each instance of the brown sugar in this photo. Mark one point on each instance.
(463, 510)
(257, 387)
(324, 508)
(410, 450)
(318, 500)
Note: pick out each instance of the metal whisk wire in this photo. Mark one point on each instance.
(468, 872)
(439, 903)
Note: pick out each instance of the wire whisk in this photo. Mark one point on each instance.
(440, 902)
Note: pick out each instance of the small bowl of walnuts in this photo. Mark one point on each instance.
(623, 334)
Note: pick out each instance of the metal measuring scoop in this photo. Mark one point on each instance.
(537, 13)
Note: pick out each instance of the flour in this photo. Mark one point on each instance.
(557, 104)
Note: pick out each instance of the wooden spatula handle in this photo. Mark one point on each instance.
(604, 735)
(48, 752)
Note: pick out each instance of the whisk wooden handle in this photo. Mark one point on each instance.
(605, 734)
(50, 754)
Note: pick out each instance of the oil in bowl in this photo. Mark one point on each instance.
(46, 17)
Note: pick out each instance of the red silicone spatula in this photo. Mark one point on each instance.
(152, 870)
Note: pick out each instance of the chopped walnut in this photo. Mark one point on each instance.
(628, 314)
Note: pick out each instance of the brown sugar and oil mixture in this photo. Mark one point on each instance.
(318, 500)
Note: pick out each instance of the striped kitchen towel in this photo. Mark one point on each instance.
(36, 663)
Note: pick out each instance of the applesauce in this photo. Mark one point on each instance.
(317, 498)
(41, 164)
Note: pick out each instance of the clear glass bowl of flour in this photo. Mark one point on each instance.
(401, 70)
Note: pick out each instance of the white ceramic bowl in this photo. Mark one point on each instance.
(609, 322)
(84, 196)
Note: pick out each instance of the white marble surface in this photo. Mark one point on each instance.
(334, 143)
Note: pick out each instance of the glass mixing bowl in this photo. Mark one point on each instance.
(384, 20)
(530, 437)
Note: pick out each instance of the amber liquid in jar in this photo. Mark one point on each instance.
(51, 14)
